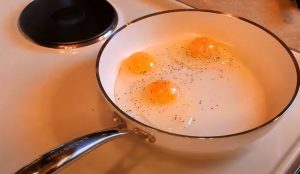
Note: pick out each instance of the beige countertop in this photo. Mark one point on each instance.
(280, 16)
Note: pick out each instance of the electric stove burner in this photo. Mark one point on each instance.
(67, 23)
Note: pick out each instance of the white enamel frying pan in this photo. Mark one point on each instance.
(265, 54)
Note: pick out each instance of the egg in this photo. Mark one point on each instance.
(199, 52)
(140, 63)
(161, 92)
(202, 47)
(196, 86)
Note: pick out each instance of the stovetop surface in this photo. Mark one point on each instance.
(49, 96)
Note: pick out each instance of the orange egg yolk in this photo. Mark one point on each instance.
(203, 47)
(161, 92)
(140, 62)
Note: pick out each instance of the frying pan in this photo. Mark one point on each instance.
(265, 55)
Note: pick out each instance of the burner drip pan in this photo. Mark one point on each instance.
(67, 23)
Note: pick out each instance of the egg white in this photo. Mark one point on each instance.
(216, 96)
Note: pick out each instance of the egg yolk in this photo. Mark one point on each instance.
(203, 47)
(140, 62)
(161, 92)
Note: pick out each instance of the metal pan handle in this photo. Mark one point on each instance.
(65, 154)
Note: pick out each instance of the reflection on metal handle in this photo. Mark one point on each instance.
(64, 154)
